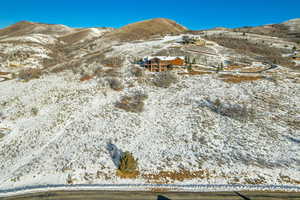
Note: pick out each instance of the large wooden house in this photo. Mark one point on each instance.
(162, 63)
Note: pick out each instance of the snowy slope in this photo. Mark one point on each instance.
(202, 129)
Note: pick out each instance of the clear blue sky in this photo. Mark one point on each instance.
(194, 14)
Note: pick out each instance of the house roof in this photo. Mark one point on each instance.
(164, 57)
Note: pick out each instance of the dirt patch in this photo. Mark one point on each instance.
(4, 73)
(229, 78)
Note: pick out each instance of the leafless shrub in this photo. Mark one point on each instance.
(29, 74)
(234, 111)
(100, 73)
(115, 84)
(70, 180)
(165, 79)
(137, 72)
(133, 103)
(34, 111)
(116, 61)
(237, 112)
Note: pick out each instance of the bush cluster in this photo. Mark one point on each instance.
(115, 84)
(116, 61)
(137, 72)
(165, 79)
(128, 163)
(132, 103)
(29, 74)
(234, 111)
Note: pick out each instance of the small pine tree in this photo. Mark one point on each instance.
(194, 60)
(221, 66)
(128, 164)
(294, 48)
(186, 59)
(189, 68)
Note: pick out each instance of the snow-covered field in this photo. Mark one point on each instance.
(60, 127)
(200, 133)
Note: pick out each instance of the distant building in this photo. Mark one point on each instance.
(162, 63)
(193, 40)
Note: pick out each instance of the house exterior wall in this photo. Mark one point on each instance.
(177, 61)
(156, 64)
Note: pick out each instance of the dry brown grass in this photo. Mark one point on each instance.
(127, 175)
(229, 78)
(287, 179)
(146, 29)
(4, 73)
(252, 69)
(193, 72)
(166, 176)
(24, 28)
(255, 181)
(75, 37)
(159, 190)
(233, 67)
(86, 77)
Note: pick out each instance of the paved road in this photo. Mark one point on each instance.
(109, 195)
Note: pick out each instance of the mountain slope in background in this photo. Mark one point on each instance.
(148, 28)
(289, 30)
(24, 28)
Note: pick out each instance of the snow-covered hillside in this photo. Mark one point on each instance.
(235, 125)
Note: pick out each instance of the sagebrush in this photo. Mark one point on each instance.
(132, 103)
